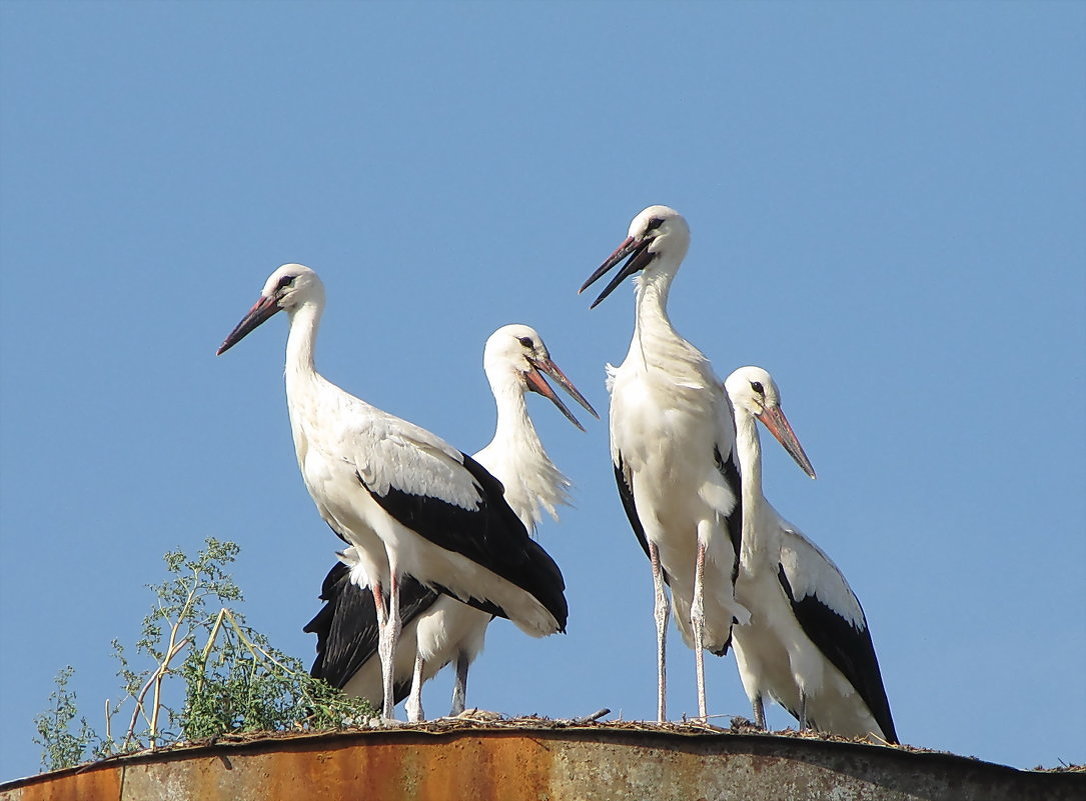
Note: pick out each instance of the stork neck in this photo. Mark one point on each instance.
(514, 426)
(304, 322)
(749, 448)
(760, 537)
(651, 303)
(515, 456)
(656, 347)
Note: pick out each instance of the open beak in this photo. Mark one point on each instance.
(779, 427)
(261, 311)
(537, 383)
(637, 250)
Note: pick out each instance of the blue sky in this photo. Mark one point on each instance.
(886, 203)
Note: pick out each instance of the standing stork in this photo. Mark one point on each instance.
(408, 502)
(673, 451)
(439, 629)
(807, 644)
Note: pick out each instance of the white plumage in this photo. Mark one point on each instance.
(672, 446)
(807, 644)
(439, 629)
(408, 502)
(513, 359)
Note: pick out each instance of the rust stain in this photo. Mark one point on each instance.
(99, 784)
(485, 768)
(482, 768)
(539, 764)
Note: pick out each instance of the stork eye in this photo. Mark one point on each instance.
(526, 341)
(654, 223)
(284, 282)
(757, 387)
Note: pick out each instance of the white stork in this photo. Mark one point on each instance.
(407, 501)
(673, 450)
(807, 644)
(439, 629)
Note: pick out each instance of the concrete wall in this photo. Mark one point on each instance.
(601, 762)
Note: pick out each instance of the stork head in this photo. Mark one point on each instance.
(655, 231)
(518, 350)
(754, 391)
(287, 288)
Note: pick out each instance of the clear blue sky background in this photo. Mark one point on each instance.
(887, 203)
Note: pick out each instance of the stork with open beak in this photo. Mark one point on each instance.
(673, 452)
(439, 629)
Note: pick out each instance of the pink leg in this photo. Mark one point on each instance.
(661, 610)
(386, 644)
(697, 623)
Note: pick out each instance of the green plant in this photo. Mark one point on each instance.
(233, 679)
(60, 746)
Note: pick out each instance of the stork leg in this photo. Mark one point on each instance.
(661, 610)
(389, 634)
(379, 604)
(697, 623)
(460, 687)
(759, 711)
(414, 700)
(803, 711)
(382, 626)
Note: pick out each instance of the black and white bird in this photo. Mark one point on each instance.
(408, 502)
(673, 451)
(439, 629)
(807, 644)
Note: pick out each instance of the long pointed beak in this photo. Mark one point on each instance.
(537, 383)
(636, 249)
(261, 311)
(779, 427)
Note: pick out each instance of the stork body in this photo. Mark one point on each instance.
(439, 629)
(672, 448)
(408, 502)
(807, 644)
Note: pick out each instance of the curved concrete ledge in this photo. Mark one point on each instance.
(599, 762)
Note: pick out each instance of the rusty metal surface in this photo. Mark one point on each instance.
(524, 763)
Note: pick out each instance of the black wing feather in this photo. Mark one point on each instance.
(849, 649)
(730, 470)
(625, 494)
(734, 522)
(346, 626)
(491, 535)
